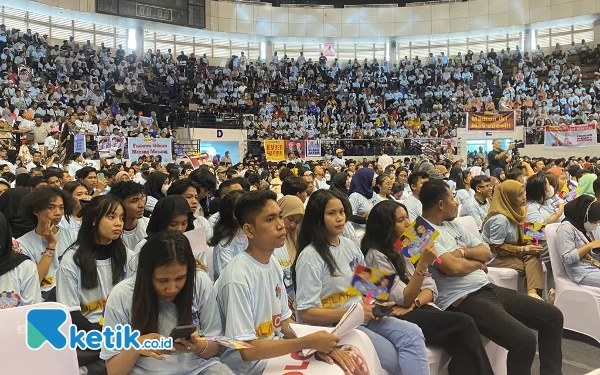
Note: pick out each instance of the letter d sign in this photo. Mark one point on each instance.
(219, 133)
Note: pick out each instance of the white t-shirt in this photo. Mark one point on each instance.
(132, 237)
(90, 302)
(253, 303)
(204, 315)
(20, 286)
(33, 245)
(224, 252)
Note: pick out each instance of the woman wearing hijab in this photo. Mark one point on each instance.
(292, 211)
(586, 185)
(361, 192)
(577, 236)
(155, 188)
(503, 231)
(340, 182)
(122, 176)
(19, 283)
(499, 174)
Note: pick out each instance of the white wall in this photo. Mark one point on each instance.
(240, 136)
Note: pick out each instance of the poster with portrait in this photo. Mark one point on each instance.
(313, 148)
(296, 147)
(414, 239)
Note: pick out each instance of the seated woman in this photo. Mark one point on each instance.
(382, 188)
(577, 236)
(190, 191)
(167, 292)
(19, 283)
(228, 238)
(538, 190)
(361, 192)
(292, 212)
(414, 291)
(463, 188)
(155, 189)
(322, 275)
(92, 267)
(503, 231)
(78, 192)
(46, 244)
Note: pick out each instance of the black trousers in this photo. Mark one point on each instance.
(505, 316)
(457, 334)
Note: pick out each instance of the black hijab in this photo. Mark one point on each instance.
(577, 210)
(338, 183)
(8, 258)
(10, 206)
(165, 210)
(154, 183)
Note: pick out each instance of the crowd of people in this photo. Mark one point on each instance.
(109, 242)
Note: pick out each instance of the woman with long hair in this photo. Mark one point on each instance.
(538, 190)
(155, 188)
(46, 244)
(292, 212)
(79, 193)
(322, 274)
(190, 191)
(503, 229)
(463, 187)
(19, 284)
(89, 269)
(414, 291)
(228, 238)
(167, 292)
(340, 182)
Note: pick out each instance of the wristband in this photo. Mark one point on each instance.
(48, 253)
(422, 273)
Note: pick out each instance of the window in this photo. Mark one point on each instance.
(457, 45)
(437, 46)
(478, 44)
(419, 49)
(312, 51)
(84, 31)
(202, 46)
(221, 48)
(497, 42)
(403, 49)
(121, 36)
(380, 52)
(253, 51)
(345, 52)
(542, 38)
(14, 18)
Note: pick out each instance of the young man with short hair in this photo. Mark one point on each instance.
(134, 200)
(252, 297)
(479, 205)
(503, 315)
(412, 203)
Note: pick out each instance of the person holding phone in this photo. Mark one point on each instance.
(414, 291)
(322, 274)
(167, 292)
(46, 244)
(503, 231)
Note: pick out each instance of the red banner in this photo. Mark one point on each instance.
(491, 121)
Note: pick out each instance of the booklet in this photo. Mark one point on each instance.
(354, 317)
(372, 280)
(228, 342)
(197, 238)
(534, 232)
(418, 235)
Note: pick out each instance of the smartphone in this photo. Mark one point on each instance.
(183, 332)
(379, 311)
(100, 176)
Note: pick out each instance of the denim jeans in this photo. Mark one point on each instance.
(400, 346)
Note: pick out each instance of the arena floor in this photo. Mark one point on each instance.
(580, 355)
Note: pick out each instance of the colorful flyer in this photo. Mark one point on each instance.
(228, 342)
(372, 280)
(534, 232)
(418, 235)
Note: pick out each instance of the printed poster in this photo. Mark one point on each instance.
(491, 121)
(534, 232)
(372, 280)
(328, 49)
(275, 150)
(109, 144)
(418, 235)
(570, 136)
(150, 146)
(79, 143)
(298, 148)
(313, 148)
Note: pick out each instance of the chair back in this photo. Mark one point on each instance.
(19, 359)
(558, 267)
(469, 223)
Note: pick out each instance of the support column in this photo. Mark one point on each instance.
(139, 42)
(528, 38)
(392, 58)
(269, 52)
(596, 33)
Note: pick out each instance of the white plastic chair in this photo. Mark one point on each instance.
(580, 304)
(438, 360)
(19, 359)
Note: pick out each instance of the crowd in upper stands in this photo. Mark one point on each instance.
(284, 239)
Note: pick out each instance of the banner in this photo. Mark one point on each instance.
(313, 147)
(109, 144)
(149, 146)
(298, 148)
(497, 121)
(79, 143)
(274, 150)
(570, 136)
(328, 49)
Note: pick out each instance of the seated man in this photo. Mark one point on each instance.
(479, 205)
(252, 297)
(502, 315)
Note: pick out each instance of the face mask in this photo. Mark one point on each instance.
(593, 229)
(327, 177)
(164, 189)
(549, 192)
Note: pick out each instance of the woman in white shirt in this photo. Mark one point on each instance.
(382, 188)
(155, 188)
(361, 191)
(168, 291)
(19, 284)
(79, 193)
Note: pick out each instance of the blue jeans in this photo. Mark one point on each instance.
(400, 346)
